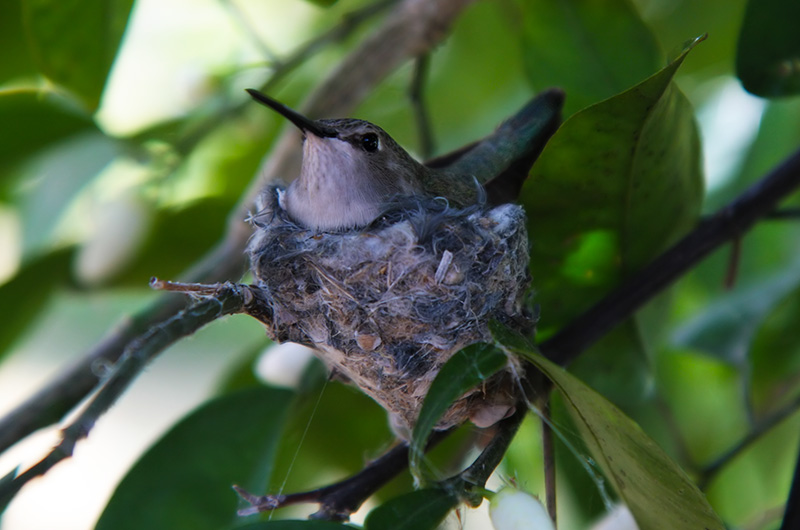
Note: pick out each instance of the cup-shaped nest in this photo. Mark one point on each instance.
(387, 305)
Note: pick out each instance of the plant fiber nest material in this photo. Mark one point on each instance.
(386, 306)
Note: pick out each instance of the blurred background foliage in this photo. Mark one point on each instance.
(127, 140)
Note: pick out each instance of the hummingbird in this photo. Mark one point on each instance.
(352, 169)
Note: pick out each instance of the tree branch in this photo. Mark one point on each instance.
(411, 29)
(227, 299)
(730, 222)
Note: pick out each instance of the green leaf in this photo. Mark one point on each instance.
(655, 489)
(768, 55)
(462, 372)
(178, 237)
(726, 327)
(12, 37)
(775, 356)
(185, 479)
(24, 296)
(75, 41)
(593, 50)
(294, 525)
(323, 3)
(618, 183)
(705, 400)
(5, 482)
(331, 429)
(419, 510)
(39, 120)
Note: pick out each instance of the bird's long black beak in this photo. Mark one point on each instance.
(304, 124)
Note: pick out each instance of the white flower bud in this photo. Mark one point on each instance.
(512, 509)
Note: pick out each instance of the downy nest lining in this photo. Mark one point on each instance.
(386, 306)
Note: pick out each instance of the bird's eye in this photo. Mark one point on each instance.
(370, 142)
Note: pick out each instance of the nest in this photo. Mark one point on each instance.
(386, 306)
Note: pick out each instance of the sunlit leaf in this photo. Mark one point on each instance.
(24, 296)
(185, 479)
(578, 45)
(419, 510)
(655, 489)
(704, 398)
(463, 371)
(75, 41)
(768, 55)
(617, 183)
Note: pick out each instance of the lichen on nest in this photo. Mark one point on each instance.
(387, 305)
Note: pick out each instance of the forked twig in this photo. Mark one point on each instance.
(224, 299)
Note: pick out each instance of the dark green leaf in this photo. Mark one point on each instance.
(332, 428)
(775, 356)
(34, 120)
(617, 183)
(24, 296)
(185, 479)
(419, 510)
(462, 372)
(579, 46)
(12, 37)
(75, 41)
(618, 368)
(655, 489)
(6, 481)
(768, 55)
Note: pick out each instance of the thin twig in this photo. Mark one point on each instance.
(791, 518)
(709, 472)
(733, 263)
(416, 94)
(549, 457)
(229, 299)
(791, 214)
